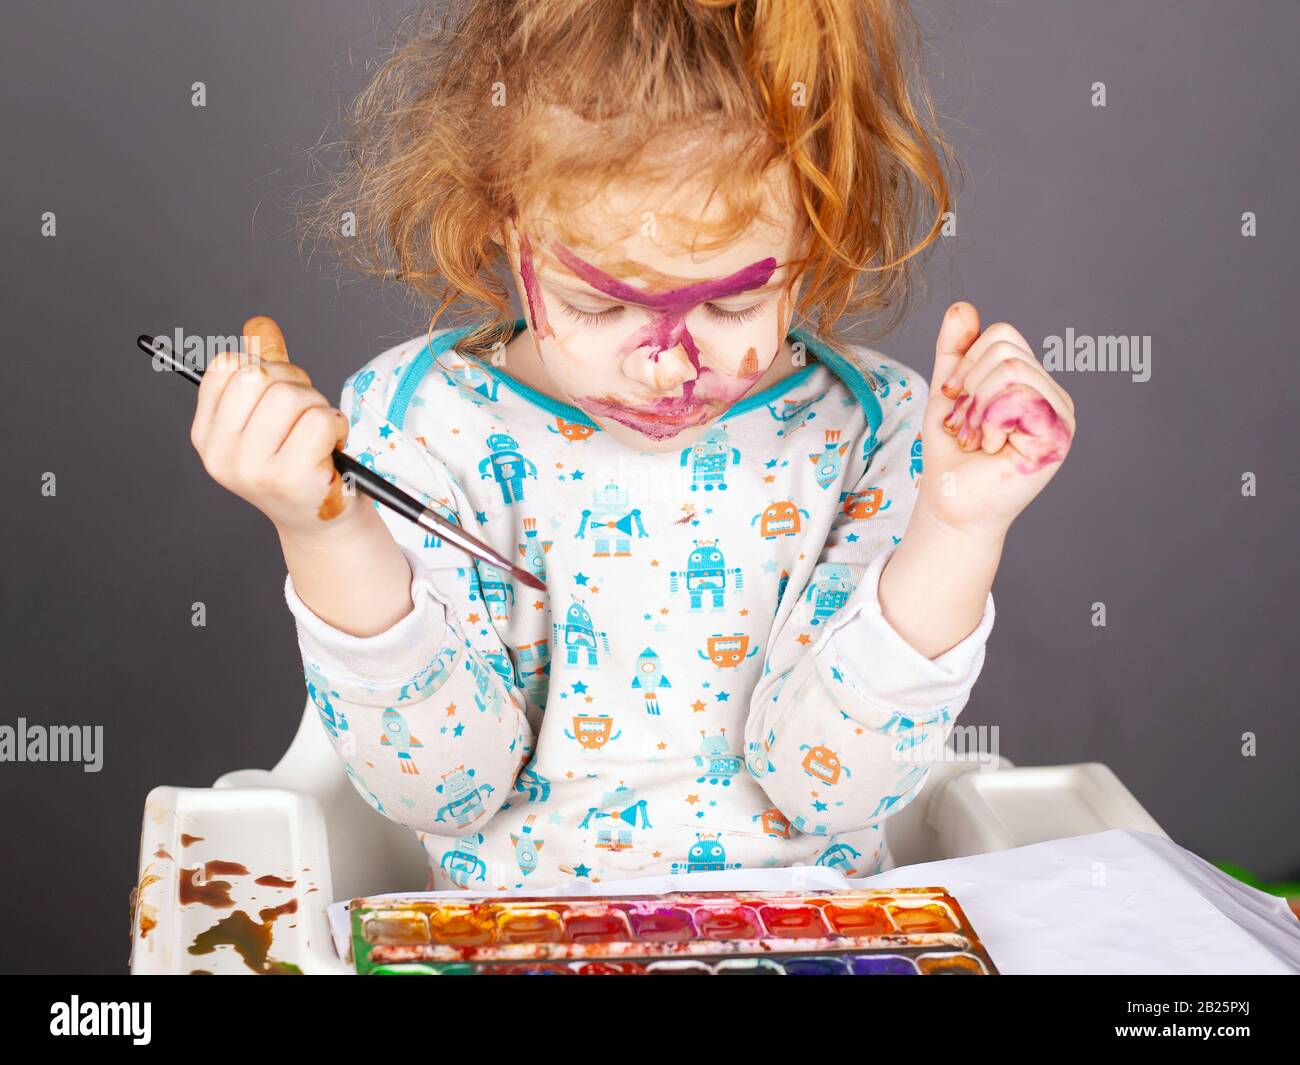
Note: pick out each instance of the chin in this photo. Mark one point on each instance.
(662, 439)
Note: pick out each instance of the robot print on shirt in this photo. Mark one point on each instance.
(502, 666)
(707, 855)
(831, 585)
(839, 855)
(574, 432)
(649, 678)
(779, 519)
(464, 800)
(865, 504)
(707, 460)
(460, 863)
(398, 736)
(580, 636)
(823, 765)
(593, 731)
(830, 460)
(611, 520)
(507, 467)
(716, 761)
(620, 805)
(533, 551)
(706, 575)
(773, 823)
(728, 652)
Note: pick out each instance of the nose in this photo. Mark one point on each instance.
(661, 375)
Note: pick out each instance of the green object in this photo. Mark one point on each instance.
(1287, 889)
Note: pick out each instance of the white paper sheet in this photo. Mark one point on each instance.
(1112, 902)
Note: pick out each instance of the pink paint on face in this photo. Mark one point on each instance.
(668, 418)
(1045, 436)
(667, 329)
(532, 292)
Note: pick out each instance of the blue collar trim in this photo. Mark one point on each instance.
(850, 374)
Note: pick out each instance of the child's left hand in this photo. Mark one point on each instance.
(996, 428)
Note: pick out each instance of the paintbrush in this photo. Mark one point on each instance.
(375, 486)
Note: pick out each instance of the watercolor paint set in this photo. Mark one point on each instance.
(894, 932)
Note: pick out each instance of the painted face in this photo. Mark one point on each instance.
(655, 346)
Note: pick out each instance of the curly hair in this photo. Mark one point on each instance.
(446, 141)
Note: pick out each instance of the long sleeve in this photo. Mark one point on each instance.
(848, 717)
(426, 716)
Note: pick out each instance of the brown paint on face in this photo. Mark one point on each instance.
(274, 881)
(749, 365)
(335, 500)
(187, 839)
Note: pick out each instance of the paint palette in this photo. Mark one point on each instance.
(895, 932)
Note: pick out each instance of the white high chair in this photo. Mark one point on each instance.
(304, 838)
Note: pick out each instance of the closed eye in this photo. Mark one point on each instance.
(590, 318)
(747, 315)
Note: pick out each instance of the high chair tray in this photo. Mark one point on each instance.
(232, 880)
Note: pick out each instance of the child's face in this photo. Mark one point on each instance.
(654, 342)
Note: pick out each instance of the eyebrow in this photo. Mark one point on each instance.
(579, 287)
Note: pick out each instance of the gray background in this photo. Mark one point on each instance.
(1123, 220)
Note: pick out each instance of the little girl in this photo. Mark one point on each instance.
(761, 619)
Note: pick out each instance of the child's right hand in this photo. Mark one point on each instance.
(265, 434)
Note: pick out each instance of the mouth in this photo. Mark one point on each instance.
(665, 417)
